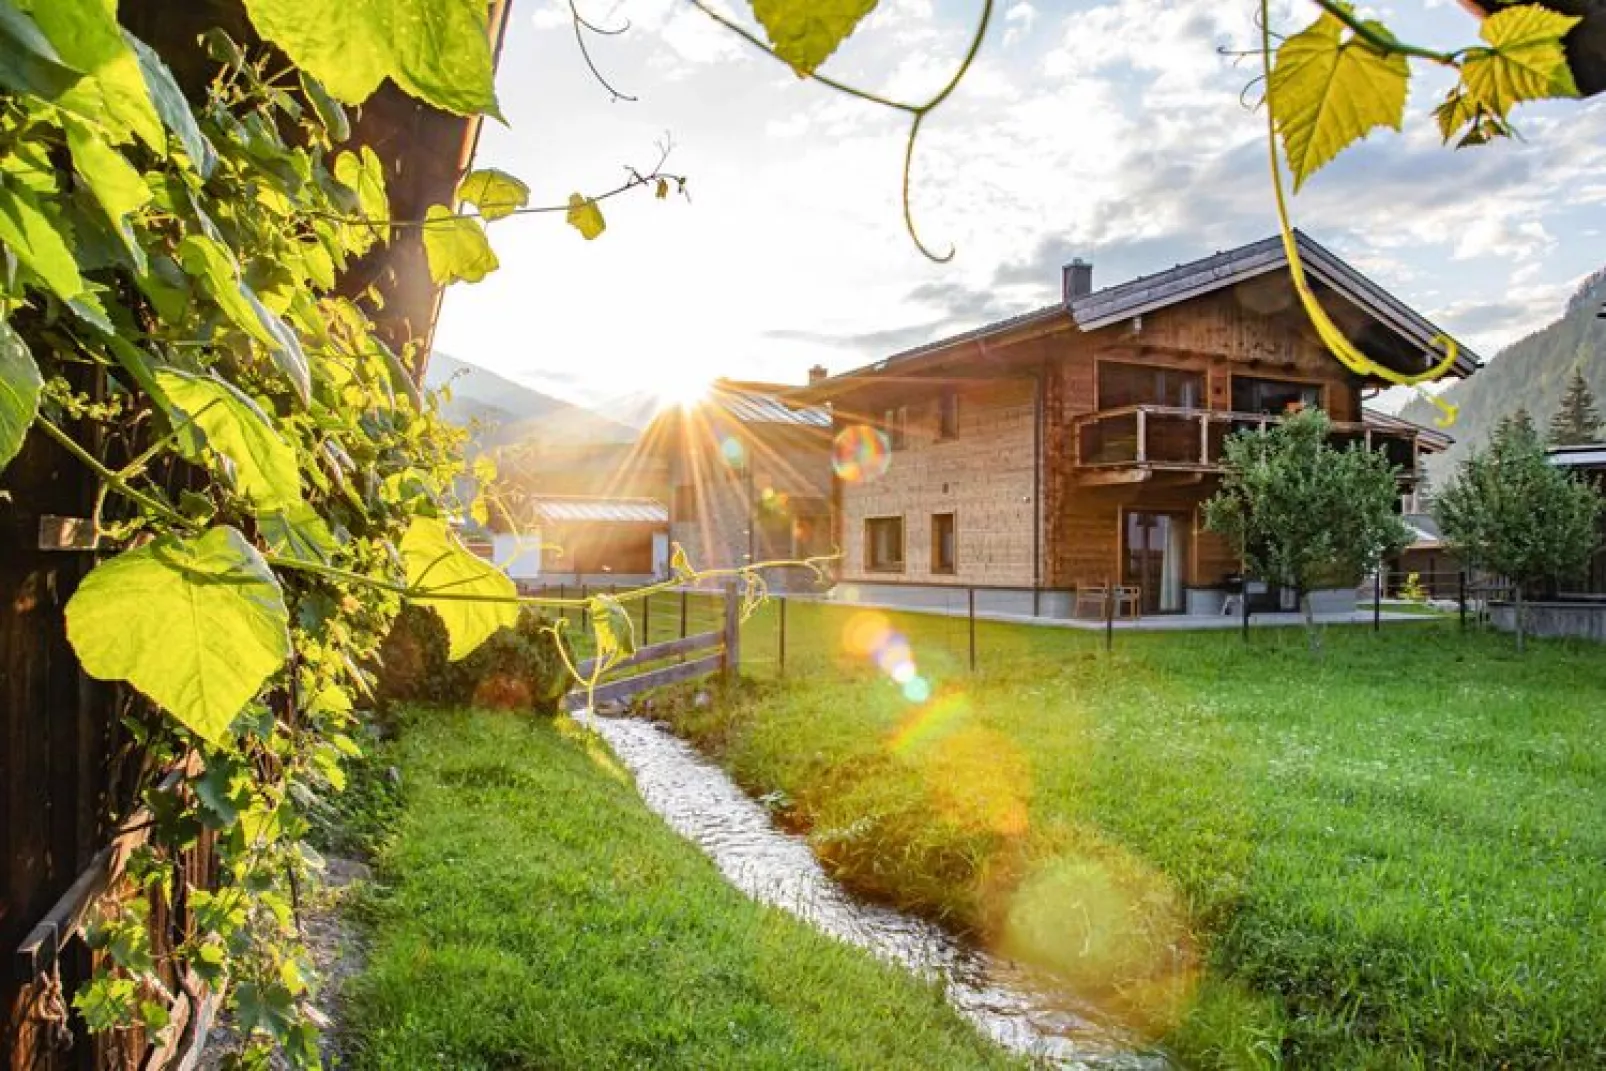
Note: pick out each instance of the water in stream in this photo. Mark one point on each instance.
(1023, 1011)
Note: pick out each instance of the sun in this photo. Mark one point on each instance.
(683, 393)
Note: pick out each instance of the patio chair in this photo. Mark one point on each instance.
(1130, 596)
(1096, 594)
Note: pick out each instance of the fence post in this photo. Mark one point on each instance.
(733, 633)
(1244, 604)
(585, 610)
(970, 594)
(781, 657)
(682, 613)
(1109, 616)
(646, 619)
(1377, 598)
(1461, 596)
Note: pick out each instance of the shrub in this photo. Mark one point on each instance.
(518, 668)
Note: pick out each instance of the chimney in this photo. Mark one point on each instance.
(817, 373)
(1078, 279)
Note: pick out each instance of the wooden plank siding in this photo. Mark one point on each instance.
(985, 475)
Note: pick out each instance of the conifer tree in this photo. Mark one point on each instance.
(1577, 421)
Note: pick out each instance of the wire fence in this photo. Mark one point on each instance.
(959, 628)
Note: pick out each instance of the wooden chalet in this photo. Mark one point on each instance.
(1073, 445)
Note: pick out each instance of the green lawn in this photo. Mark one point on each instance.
(1391, 855)
(531, 913)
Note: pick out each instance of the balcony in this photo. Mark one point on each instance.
(1126, 445)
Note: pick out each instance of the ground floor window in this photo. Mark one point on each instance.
(944, 544)
(883, 544)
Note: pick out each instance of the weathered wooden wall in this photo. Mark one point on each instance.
(983, 476)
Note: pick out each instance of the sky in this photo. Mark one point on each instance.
(1114, 131)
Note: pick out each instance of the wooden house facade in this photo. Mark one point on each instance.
(1074, 445)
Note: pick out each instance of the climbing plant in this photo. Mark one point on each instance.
(177, 314)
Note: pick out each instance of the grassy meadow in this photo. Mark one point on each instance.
(1387, 856)
(530, 912)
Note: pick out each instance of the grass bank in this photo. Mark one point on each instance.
(531, 913)
(1390, 856)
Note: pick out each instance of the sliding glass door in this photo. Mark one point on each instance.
(1155, 559)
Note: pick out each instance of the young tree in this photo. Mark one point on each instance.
(1510, 511)
(1304, 514)
(1577, 421)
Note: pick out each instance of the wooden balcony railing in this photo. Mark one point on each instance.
(1193, 440)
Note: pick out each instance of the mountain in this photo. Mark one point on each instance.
(1531, 373)
(500, 411)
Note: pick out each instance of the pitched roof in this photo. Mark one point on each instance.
(1426, 437)
(760, 403)
(1182, 283)
(578, 509)
(1588, 456)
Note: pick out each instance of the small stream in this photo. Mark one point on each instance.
(1022, 1010)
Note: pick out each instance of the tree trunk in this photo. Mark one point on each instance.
(1312, 633)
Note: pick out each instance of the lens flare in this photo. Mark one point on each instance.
(860, 454)
(869, 634)
(732, 450)
(917, 689)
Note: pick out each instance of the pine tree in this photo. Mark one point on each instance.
(1577, 421)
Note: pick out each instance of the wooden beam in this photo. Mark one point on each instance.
(653, 678)
(1113, 477)
(654, 652)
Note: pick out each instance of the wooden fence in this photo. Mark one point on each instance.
(716, 652)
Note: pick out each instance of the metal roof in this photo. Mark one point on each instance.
(578, 509)
(1425, 529)
(1592, 455)
(1185, 282)
(759, 403)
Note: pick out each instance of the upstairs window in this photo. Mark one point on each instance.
(895, 423)
(1122, 384)
(1276, 397)
(948, 415)
(944, 544)
(883, 544)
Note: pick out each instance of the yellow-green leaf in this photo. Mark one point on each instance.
(20, 384)
(1329, 89)
(298, 531)
(86, 34)
(198, 625)
(116, 184)
(612, 630)
(495, 193)
(264, 463)
(804, 33)
(585, 217)
(437, 50)
(30, 234)
(1525, 60)
(455, 247)
(437, 562)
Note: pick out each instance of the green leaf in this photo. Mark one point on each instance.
(171, 106)
(804, 33)
(437, 50)
(437, 562)
(585, 217)
(456, 247)
(86, 34)
(37, 243)
(330, 113)
(20, 383)
(1526, 60)
(115, 183)
(1328, 90)
(495, 193)
(29, 63)
(210, 263)
(264, 463)
(198, 625)
(613, 631)
(298, 531)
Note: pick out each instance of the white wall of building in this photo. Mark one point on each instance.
(519, 556)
